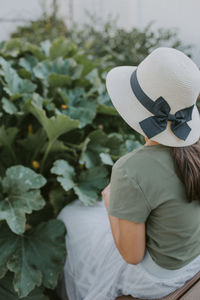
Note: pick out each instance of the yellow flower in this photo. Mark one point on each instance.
(64, 106)
(35, 164)
(28, 227)
(30, 128)
(100, 126)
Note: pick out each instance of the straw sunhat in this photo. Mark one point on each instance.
(158, 97)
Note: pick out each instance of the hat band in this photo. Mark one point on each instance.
(161, 111)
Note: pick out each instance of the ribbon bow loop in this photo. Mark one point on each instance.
(161, 114)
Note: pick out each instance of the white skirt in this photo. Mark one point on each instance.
(94, 268)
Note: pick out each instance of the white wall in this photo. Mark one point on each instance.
(182, 14)
(16, 9)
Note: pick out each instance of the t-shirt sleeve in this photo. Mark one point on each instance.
(127, 200)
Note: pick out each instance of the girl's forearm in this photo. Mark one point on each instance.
(114, 224)
(114, 221)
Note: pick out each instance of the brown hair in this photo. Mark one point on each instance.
(187, 164)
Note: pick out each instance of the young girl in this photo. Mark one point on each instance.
(143, 240)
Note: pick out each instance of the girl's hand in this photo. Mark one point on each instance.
(106, 195)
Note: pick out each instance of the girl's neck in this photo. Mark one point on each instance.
(150, 142)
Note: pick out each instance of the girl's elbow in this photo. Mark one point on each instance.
(133, 261)
(134, 258)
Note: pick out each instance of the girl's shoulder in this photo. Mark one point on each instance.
(144, 156)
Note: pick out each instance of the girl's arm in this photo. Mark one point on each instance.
(129, 236)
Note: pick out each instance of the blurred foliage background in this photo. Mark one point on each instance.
(102, 40)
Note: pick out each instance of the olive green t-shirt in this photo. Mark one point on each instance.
(145, 188)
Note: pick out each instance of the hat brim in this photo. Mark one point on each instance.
(132, 111)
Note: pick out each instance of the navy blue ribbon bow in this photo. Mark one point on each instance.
(161, 111)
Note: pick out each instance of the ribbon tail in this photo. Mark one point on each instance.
(185, 113)
(181, 130)
(153, 126)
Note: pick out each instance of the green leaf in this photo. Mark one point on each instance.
(13, 47)
(28, 63)
(7, 246)
(32, 145)
(46, 45)
(120, 145)
(132, 144)
(59, 80)
(95, 144)
(93, 78)
(106, 159)
(7, 138)
(7, 135)
(88, 64)
(15, 85)
(24, 74)
(80, 106)
(107, 110)
(7, 291)
(105, 106)
(20, 195)
(66, 172)
(59, 146)
(68, 68)
(62, 92)
(62, 47)
(58, 199)
(37, 257)
(91, 182)
(54, 126)
(37, 100)
(8, 106)
(116, 144)
(36, 51)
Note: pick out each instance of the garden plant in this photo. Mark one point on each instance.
(59, 137)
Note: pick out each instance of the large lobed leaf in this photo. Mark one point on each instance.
(7, 291)
(52, 72)
(65, 172)
(36, 257)
(16, 47)
(54, 126)
(7, 136)
(28, 62)
(32, 144)
(80, 106)
(91, 182)
(95, 150)
(88, 185)
(20, 195)
(8, 106)
(62, 47)
(15, 86)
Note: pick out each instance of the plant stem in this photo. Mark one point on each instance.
(45, 155)
(12, 153)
